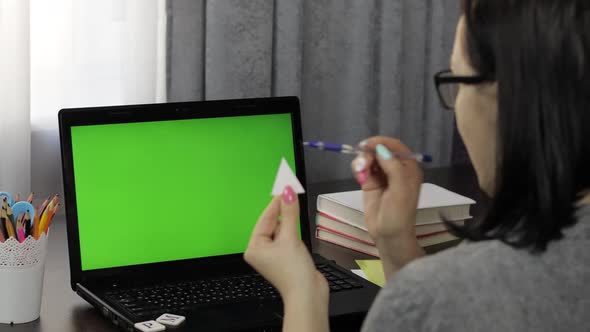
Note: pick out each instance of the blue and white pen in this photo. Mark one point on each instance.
(349, 149)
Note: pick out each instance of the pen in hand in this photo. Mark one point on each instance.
(349, 149)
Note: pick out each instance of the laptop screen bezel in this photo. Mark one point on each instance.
(163, 112)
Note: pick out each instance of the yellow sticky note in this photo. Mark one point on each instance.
(373, 270)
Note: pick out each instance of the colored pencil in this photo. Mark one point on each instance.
(53, 202)
(30, 198)
(41, 209)
(36, 226)
(43, 221)
(20, 231)
(8, 225)
(3, 228)
(50, 218)
(27, 222)
(10, 213)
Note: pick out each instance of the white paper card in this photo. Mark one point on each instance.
(170, 319)
(286, 177)
(359, 273)
(150, 326)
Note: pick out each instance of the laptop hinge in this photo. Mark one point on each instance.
(105, 309)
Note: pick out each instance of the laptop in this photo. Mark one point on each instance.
(161, 200)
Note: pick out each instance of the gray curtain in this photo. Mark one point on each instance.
(360, 67)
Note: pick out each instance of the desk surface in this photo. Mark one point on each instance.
(64, 311)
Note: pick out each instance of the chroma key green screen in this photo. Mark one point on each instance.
(169, 190)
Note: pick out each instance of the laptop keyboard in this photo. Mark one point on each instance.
(184, 296)
(337, 280)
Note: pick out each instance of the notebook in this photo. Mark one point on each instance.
(160, 203)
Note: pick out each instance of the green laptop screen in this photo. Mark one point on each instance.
(169, 190)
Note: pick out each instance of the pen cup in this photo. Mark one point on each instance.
(22, 266)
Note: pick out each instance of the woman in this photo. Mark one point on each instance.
(520, 87)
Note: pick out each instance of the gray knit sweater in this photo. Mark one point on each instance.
(489, 286)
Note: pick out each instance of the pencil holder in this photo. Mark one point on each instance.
(22, 266)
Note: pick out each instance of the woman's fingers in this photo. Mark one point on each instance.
(365, 172)
(392, 166)
(268, 226)
(390, 162)
(373, 183)
(267, 223)
(388, 176)
(376, 171)
(289, 214)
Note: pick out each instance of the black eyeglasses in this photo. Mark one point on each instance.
(447, 86)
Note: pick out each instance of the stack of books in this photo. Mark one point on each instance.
(340, 218)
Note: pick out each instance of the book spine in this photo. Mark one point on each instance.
(319, 237)
(341, 212)
(345, 235)
(353, 238)
(421, 236)
(430, 234)
(423, 241)
(323, 214)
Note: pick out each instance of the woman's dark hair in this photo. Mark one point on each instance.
(538, 52)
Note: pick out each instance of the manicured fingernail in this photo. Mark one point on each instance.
(289, 195)
(383, 152)
(360, 163)
(364, 143)
(361, 177)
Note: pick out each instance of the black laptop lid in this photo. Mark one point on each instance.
(172, 187)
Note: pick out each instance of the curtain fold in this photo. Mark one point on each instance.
(15, 143)
(185, 49)
(361, 68)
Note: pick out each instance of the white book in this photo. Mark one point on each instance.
(434, 204)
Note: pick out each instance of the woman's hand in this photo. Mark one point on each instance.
(276, 252)
(391, 187)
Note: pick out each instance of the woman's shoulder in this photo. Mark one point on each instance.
(484, 285)
(430, 286)
(466, 266)
(468, 259)
(472, 263)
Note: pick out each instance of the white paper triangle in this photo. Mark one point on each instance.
(286, 177)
